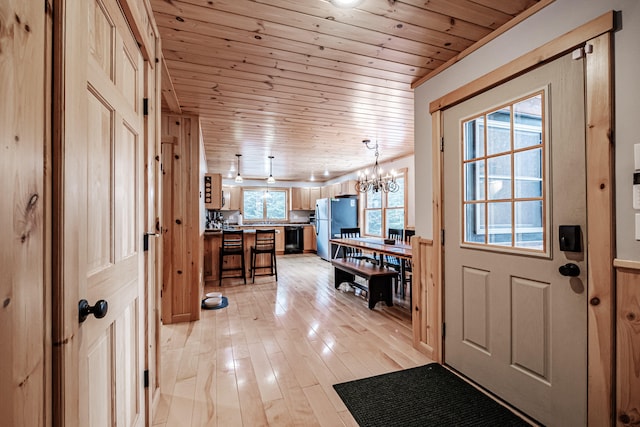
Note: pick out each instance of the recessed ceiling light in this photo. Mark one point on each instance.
(346, 3)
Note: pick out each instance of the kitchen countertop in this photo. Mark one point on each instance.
(246, 230)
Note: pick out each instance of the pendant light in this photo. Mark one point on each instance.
(271, 179)
(346, 3)
(238, 177)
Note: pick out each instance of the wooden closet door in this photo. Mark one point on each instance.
(101, 216)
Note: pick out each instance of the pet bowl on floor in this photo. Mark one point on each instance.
(214, 295)
(212, 302)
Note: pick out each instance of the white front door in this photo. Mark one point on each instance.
(514, 163)
(100, 209)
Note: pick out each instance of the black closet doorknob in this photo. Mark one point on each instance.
(99, 310)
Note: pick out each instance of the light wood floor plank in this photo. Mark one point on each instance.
(295, 399)
(251, 404)
(322, 406)
(265, 377)
(273, 355)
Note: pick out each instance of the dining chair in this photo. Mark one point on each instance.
(354, 232)
(394, 262)
(395, 233)
(265, 244)
(408, 263)
(232, 245)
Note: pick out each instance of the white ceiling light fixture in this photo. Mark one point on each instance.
(238, 177)
(271, 179)
(346, 3)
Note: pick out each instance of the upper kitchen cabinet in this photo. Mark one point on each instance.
(314, 194)
(348, 188)
(231, 198)
(299, 198)
(325, 192)
(304, 198)
(213, 191)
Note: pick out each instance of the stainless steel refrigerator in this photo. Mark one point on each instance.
(331, 216)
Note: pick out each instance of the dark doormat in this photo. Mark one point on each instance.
(426, 396)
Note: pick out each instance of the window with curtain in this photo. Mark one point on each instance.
(385, 210)
(265, 205)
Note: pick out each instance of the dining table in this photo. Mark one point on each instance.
(376, 245)
(379, 247)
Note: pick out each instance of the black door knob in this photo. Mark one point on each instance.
(99, 310)
(569, 269)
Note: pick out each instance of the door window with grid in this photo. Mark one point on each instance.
(503, 168)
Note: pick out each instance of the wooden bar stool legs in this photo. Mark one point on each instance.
(232, 245)
(265, 244)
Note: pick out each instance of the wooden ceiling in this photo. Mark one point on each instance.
(306, 81)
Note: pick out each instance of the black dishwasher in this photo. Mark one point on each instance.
(293, 240)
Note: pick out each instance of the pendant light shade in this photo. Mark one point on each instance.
(346, 3)
(271, 179)
(238, 177)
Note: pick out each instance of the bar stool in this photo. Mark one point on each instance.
(232, 245)
(265, 244)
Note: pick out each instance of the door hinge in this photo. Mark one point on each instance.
(442, 237)
(442, 144)
(581, 52)
(146, 378)
(145, 106)
(444, 330)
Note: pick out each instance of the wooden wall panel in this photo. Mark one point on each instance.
(183, 213)
(600, 228)
(628, 344)
(152, 223)
(25, 37)
(426, 294)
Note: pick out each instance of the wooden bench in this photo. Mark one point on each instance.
(379, 279)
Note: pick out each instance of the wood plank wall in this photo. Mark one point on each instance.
(627, 343)
(182, 215)
(426, 296)
(25, 143)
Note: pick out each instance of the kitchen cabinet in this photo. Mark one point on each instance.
(314, 194)
(304, 198)
(348, 188)
(309, 236)
(299, 198)
(325, 192)
(279, 239)
(212, 191)
(232, 198)
(336, 189)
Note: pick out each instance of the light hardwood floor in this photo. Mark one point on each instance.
(272, 356)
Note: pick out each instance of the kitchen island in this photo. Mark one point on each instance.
(213, 240)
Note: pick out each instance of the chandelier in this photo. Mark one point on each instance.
(374, 181)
